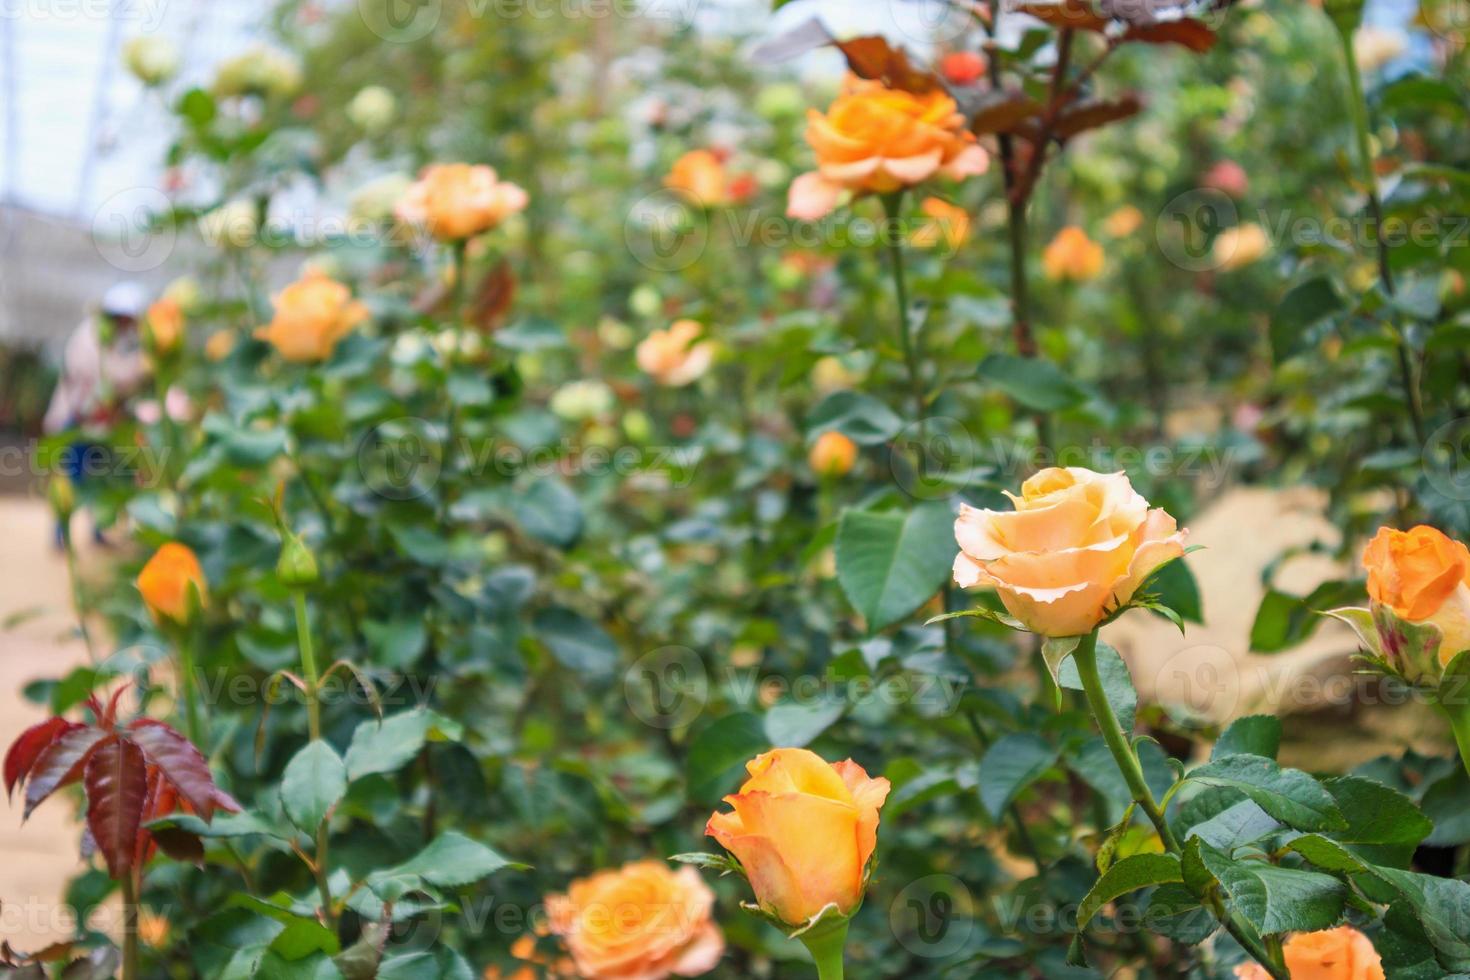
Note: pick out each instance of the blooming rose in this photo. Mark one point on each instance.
(832, 455)
(947, 223)
(672, 357)
(1077, 546)
(219, 345)
(638, 922)
(1421, 576)
(1072, 255)
(804, 830)
(232, 224)
(167, 580)
(152, 60)
(1123, 222)
(699, 177)
(262, 70)
(312, 314)
(1240, 246)
(1343, 953)
(163, 325)
(455, 201)
(372, 109)
(1228, 177)
(874, 139)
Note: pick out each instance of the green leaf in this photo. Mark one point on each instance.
(722, 863)
(1442, 908)
(1009, 766)
(794, 724)
(1273, 899)
(1174, 912)
(1377, 814)
(1251, 735)
(1116, 680)
(1284, 620)
(1173, 587)
(717, 755)
(451, 860)
(1327, 854)
(1232, 825)
(889, 563)
(577, 643)
(1128, 875)
(397, 643)
(862, 418)
(531, 334)
(1054, 652)
(549, 511)
(1034, 383)
(314, 781)
(1303, 307)
(1289, 795)
(303, 937)
(389, 745)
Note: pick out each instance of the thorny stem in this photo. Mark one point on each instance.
(892, 203)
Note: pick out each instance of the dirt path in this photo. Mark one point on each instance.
(37, 858)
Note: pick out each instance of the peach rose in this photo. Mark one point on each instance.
(699, 177)
(455, 201)
(1072, 255)
(167, 580)
(947, 224)
(639, 922)
(672, 357)
(804, 830)
(875, 140)
(1238, 247)
(219, 345)
(1077, 546)
(1123, 222)
(163, 325)
(1343, 953)
(312, 314)
(1421, 576)
(832, 455)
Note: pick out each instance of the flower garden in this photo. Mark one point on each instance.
(614, 498)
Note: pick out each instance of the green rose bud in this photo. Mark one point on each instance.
(297, 565)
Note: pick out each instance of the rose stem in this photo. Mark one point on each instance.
(130, 925)
(308, 667)
(826, 946)
(892, 208)
(1085, 656)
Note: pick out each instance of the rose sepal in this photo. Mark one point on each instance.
(1394, 646)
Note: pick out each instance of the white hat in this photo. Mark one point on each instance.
(124, 298)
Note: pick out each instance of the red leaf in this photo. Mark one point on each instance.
(180, 762)
(1191, 33)
(62, 761)
(31, 743)
(179, 845)
(873, 57)
(1082, 116)
(1075, 14)
(161, 800)
(117, 785)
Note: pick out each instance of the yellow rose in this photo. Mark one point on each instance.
(947, 224)
(1077, 546)
(163, 326)
(1238, 247)
(699, 176)
(875, 140)
(638, 922)
(167, 580)
(804, 830)
(312, 314)
(832, 455)
(455, 201)
(1422, 577)
(1343, 953)
(1072, 255)
(672, 357)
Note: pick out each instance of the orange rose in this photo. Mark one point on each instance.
(312, 314)
(455, 201)
(639, 922)
(1238, 247)
(832, 455)
(219, 345)
(1123, 222)
(163, 325)
(1077, 546)
(167, 580)
(948, 224)
(671, 357)
(875, 140)
(1343, 953)
(804, 830)
(1072, 255)
(699, 176)
(1421, 576)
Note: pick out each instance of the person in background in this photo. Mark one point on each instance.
(101, 366)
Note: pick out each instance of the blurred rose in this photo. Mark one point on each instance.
(1123, 222)
(947, 223)
(830, 374)
(1422, 576)
(312, 315)
(372, 109)
(1240, 246)
(1228, 177)
(639, 922)
(1343, 953)
(152, 928)
(1072, 255)
(578, 401)
(780, 100)
(180, 407)
(699, 177)
(832, 455)
(168, 581)
(262, 70)
(672, 357)
(1077, 545)
(874, 139)
(962, 67)
(804, 830)
(219, 345)
(231, 225)
(163, 326)
(1374, 47)
(184, 291)
(151, 59)
(376, 200)
(457, 200)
